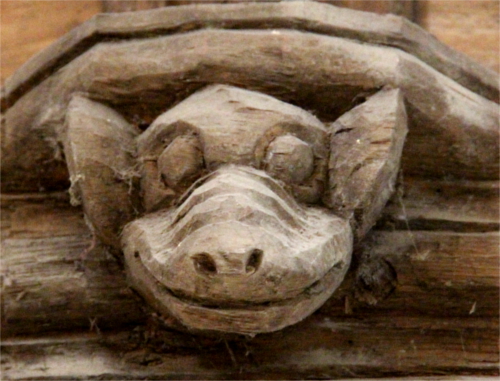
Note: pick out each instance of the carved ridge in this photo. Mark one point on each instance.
(309, 17)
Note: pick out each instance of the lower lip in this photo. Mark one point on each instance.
(243, 319)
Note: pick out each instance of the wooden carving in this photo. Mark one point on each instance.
(232, 234)
(233, 167)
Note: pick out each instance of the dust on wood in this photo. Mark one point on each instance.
(437, 313)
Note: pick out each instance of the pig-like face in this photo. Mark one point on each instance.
(238, 255)
(242, 219)
(228, 242)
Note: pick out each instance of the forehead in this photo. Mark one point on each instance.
(233, 125)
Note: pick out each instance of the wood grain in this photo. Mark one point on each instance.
(431, 204)
(472, 27)
(434, 268)
(435, 314)
(406, 8)
(133, 5)
(319, 348)
(48, 237)
(309, 16)
(99, 148)
(21, 22)
(366, 145)
(464, 125)
(29, 26)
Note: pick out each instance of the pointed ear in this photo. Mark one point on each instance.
(365, 153)
(99, 146)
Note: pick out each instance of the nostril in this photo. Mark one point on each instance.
(254, 260)
(205, 264)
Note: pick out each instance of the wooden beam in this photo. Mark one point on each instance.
(46, 260)
(464, 125)
(405, 8)
(79, 283)
(130, 6)
(318, 348)
(431, 204)
(388, 31)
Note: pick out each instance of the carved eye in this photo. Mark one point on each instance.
(181, 161)
(289, 159)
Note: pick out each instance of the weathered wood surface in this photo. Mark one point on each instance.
(318, 348)
(435, 311)
(29, 26)
(306, 16)
(458, 269)
(366, 145)
(227, 255)
(54, 270)
(441, 319)
(24, 24)
(431, 204)
(464, 126)
(406, 8)
(240, 252)
(99, 149)
(117, 6)
(432, 280)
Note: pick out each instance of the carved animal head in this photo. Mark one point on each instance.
(244, 216)
(236, 211)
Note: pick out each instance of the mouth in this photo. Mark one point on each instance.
(315, 288)
(237, 317)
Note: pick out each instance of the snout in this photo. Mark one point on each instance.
(226, 250)
(238, 241)
(233, 263)
(228, 262)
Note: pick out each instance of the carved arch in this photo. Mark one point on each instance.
(437, 106)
